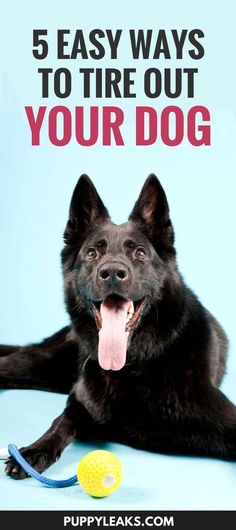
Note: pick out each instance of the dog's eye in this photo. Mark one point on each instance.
(92, 253)
(140, 253)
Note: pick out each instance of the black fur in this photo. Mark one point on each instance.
(166, 397)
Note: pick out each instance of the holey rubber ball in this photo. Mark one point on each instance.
(99, 473)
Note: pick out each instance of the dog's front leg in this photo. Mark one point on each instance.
(47, 449)
(74, 422)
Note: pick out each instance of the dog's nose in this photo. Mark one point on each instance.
(113, 272)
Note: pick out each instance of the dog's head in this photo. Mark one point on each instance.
(115, 273)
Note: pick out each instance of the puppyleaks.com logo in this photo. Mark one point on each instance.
(125, 521)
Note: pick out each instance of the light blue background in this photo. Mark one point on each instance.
(36, 186)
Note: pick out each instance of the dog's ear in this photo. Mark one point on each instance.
(151, 211)
(85, 208)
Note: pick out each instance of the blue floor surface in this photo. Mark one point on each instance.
(151, 481)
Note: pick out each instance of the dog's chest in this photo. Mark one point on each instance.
(96, 398)
(108, 396)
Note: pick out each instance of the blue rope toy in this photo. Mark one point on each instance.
(99, 472)
(13, 451)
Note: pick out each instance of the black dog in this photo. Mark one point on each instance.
(143, 358)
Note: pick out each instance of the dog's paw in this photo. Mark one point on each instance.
(38, 459)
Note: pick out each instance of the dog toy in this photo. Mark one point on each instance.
(99, 472)
(3, 453)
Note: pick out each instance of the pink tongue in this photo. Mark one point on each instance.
(113, 338)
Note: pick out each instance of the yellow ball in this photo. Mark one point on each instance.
(99, 473)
